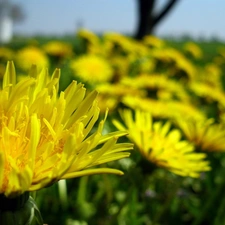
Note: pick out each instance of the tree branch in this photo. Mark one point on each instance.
(164, 11)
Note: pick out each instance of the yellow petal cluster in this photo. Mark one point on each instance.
(165, 109)
(205, 134)
(161, 145)
(45, 137)
(92, 68)
(58, 49)
(29, 55)
(193, 50)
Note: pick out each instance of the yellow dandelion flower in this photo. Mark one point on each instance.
(120, 65)
(88, 36)
(161, 145)
(163, 108)
(205, 134)
(174, 62)
(31, 55)
(219, 59)
(212, 74)
(153, 41)
(140, 49)
(90, 40)
(141, 64)
(193, 50)
(185, 67)
(111, 94)
(92, 69)
(158, 84)
(45, 137)
(58, 49)
(116, 43)
(208, 92)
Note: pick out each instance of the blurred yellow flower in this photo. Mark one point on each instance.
(88, 35)
(212, 75)
(168, 109)
(158, 84)
(192, 49)
(153, 41)
(208, 92)
(92, 69)
(58, 49)
(204, 134)
(120, 65)
(139, 49)
(31, 55)
(219, 59)
(161, 145)
(175, 63)
(46, 137)
(110, 94)
(90, 40)
(116, 43)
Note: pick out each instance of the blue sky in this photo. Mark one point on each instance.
(199, 18)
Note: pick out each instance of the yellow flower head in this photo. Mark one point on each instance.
(92, 68)
(153, 41)
(193, 50)
(88, 35)
(161, 145)
(120, 65)
(169, 109)
(31, 55)
(208, 92)
(175, 63)
(111, 94)
(212, 75)
(58, 48)
(118, 43)
(90, 41)
(158, 84)
(204, 134)
(45, 137)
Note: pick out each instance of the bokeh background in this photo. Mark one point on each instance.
(198, 19)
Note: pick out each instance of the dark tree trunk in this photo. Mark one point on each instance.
(147, 20)
(145, 13)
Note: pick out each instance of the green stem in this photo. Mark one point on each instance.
(82, 189)
(108, 189)
(62, 187)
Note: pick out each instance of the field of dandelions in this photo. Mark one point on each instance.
(170, 98)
